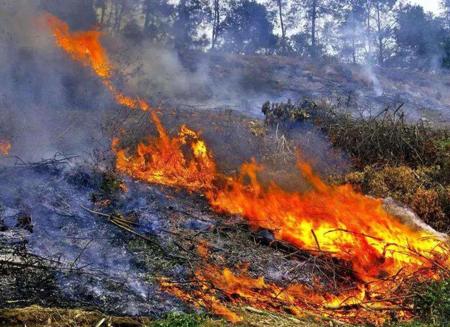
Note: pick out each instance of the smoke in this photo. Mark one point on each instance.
(376, 84)
(46, 102)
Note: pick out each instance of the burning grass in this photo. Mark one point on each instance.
(384, 254)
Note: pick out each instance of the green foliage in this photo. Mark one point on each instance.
(247, 28)
(432, 303)
(180, 320)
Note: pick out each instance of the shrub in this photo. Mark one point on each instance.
(418, 188)
(385, 138)
(432, 303)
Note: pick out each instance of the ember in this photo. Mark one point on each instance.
(5, 147)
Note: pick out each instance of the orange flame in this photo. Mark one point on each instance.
(337, 220)
(162, 160)
(5, 147)
(332, 219)
(86, 48)
(351, 305)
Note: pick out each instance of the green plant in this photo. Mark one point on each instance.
(432, 303)
(180, 320)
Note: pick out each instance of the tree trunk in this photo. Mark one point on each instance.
(147, 13)
(283, 30)
(119, 10)
(369, 41)
(102, 5)
(216, 23)
(353, 48)
(379, 36)
(313, 28)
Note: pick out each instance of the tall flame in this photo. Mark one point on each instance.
(328, 220)
(86, 48)
(334, 219)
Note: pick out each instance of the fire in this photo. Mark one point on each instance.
(86, 48)
(334, 221)
(211, 283)
(5, 147)
(240, 289)
(163, 161)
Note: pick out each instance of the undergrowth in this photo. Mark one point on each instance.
(180, 320)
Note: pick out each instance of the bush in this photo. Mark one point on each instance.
(432, 303)
(409, 162)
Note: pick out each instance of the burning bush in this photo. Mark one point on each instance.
(418, 188)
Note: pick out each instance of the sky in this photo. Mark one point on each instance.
(428, 5)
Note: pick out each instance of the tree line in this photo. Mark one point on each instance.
(382, 32)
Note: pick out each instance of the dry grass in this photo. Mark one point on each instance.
(39, 316)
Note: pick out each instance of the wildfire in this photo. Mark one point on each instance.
(359, 304)
(5, 147)
(211, 283)
(333, 221)
(162, 159)
(330, 219)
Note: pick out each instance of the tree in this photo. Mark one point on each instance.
(157, 19)
(216, 23)
(312, 11)
(280, 5)
(190, 16)
(445, 4)
(101, 4)
(247, 28)
(283, 18)
(353, 28)
(384, 26)
(79, 14)
(419, 35)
